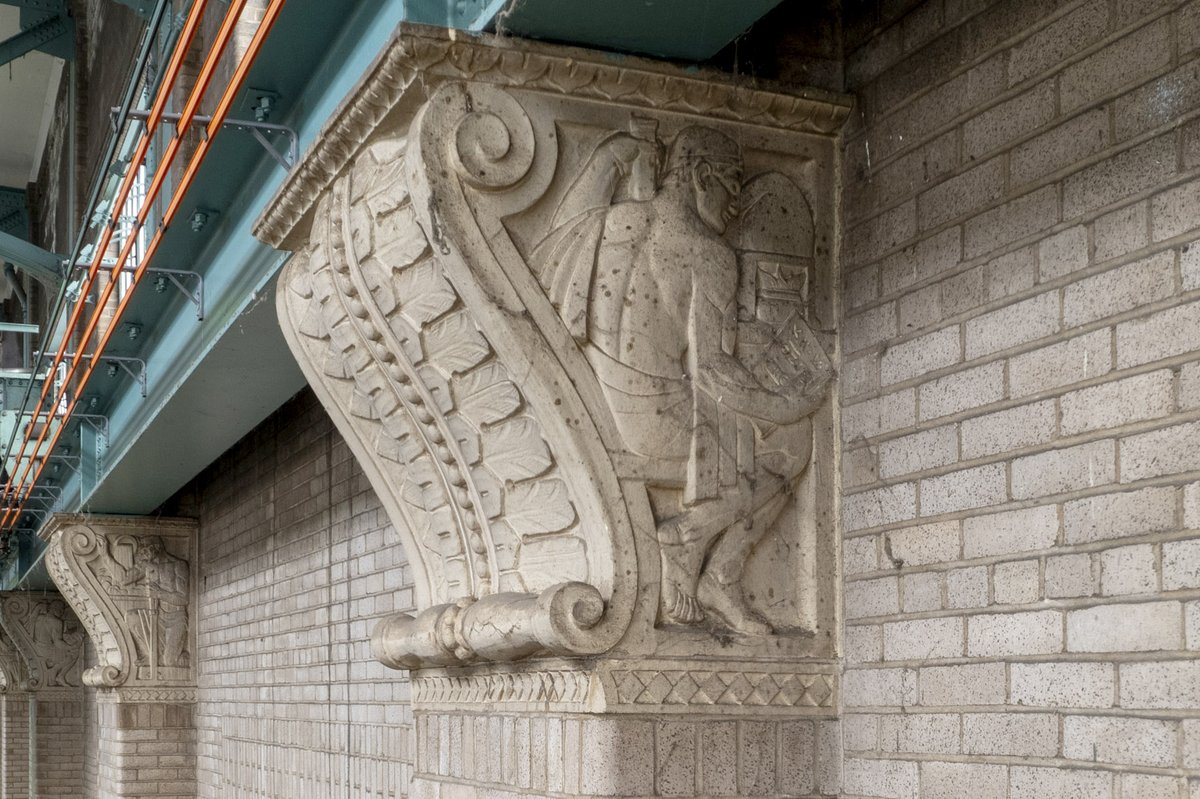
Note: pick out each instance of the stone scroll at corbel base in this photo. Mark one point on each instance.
(131, 581)
(575, 319)
(506, 626)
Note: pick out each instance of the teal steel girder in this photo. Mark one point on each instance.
(466, 15)
(14, 215)
(40, 264)
(54, 35)
(692, 30)
(41, 7)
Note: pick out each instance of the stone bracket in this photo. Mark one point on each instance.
(482, 234)
(132, 583)
(48, 637)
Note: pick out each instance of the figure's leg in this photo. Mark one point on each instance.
(720, 587)
(685, 540)
(174, 638)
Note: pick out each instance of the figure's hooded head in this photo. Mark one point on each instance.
(711, 164)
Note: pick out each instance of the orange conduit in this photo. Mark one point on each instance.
(164, 167)
(187, 36)
(214, 125)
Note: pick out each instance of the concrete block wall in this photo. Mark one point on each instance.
(554, 754)
(14, 745)
(146, 749)
(297, 563)
(1021, 385)
(60, 739)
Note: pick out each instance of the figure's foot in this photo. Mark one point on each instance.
(678, 607)
(727, 602)
(680, 570)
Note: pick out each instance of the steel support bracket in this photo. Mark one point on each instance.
(178, 278)
(287, 158)
(126, 364)
(98, 422)
(122, 362)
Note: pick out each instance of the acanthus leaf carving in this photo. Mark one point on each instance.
(12, 666)
(417, 389)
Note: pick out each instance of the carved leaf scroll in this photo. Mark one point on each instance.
(12, 666)
(468, 468)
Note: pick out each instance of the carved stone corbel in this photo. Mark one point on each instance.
(46, 634)
(12, 666)
(575, 319)
(131, 581)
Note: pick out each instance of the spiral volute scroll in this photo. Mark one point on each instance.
(493, 143)
(69, 548)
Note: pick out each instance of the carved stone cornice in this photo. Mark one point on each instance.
(132, 582)
(574, 317)
(148, 696)
(434, 55)
(44, 631)
(646, 686)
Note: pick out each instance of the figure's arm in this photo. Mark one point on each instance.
(711, 338)
(725, 378)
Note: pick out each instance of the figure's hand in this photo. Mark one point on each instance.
(818, 383)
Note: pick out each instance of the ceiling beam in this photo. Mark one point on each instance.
(38, 263)
(37, 37)
(46, 6)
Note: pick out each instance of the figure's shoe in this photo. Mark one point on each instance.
(727, 602)
(680, 570)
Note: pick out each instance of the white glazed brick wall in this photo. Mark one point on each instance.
(491, 754)
(14, 745)
(297, 564)
(1021, 399)
(60, 741)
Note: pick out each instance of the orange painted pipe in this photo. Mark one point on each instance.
(223, 107)
(191, 26)
(215, 52)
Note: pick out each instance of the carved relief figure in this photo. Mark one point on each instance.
(57, 641)
(155, 589)
(711, 375)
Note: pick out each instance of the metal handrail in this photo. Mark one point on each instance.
(224, 105)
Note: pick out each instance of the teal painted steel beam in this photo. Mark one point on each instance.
(685, 29)
(467, 15)
(44, 35)
(13, 222)
(45, 6)
(14, 216)
(42, 265)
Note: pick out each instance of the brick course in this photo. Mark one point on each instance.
(1024, 558)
